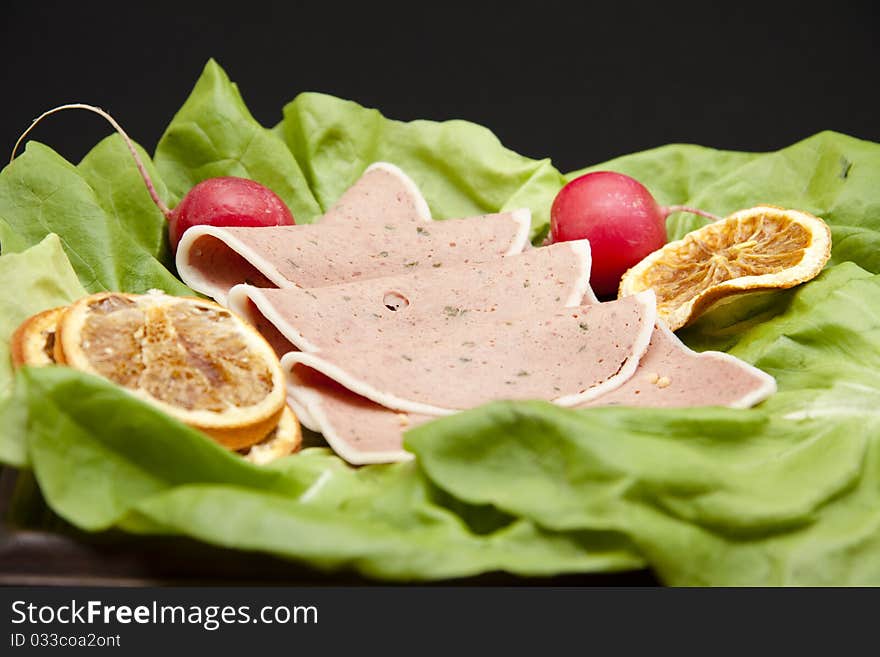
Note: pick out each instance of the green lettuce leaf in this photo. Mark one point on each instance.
(214, 134)
(825, 344)
(42, 193)
(676, 172)
(104, 458)
(10, 241)
(34, 280)
(110, 172)
(461, 168)
(829, 174)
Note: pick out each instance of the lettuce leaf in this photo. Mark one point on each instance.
(103, 458)
(829, 174)
(108, 245)
(110, 172)
(461, 168)
(35, 280)
(214, 134)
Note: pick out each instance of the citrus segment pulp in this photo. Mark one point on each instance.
(192, 358)
(759, 248)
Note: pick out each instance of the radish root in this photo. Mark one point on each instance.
(151, 188)
(669, 209)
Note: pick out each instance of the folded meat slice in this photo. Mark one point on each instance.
(380, 227)
(383, 194)
(395, 308)
(211, 260)
(357, 429)
(670, 375)
(568, 356)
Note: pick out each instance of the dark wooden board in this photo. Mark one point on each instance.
(66, 556)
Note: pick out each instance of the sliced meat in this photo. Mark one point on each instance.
(211, 260)
(427, 301)
(568, 356)
(361, 431)
(670, 375)
(380, 227)
(383, 194)
(358, 430)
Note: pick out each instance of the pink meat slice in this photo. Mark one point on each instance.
(378, 228)
(362, 431)
(357, 429)
(383, 194)
(567, 356)
(211, 260)
(670, 375)
(428, 301)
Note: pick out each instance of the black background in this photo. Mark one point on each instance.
(579, 82)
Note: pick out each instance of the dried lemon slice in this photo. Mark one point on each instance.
(192, 358)
(33, 342)
(284, 439)
(759, 248)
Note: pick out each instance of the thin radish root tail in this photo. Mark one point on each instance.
(669, 209)
(151, 188)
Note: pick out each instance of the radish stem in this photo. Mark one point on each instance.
(669, 209)
(151, 188)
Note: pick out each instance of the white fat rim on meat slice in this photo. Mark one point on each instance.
(582, 291)
(360, 387)
(194, 278)
(301, 410)
(768, 383)
(648, 301)
(312, 401)
(523, 217)
(239, 296)
(415, 193)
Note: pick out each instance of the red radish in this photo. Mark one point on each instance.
(227, 201)
(620, 218)
(224, 201)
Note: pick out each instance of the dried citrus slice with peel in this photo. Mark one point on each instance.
(760, 248)
(192, 358)
(33, 342)
(284, 439)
